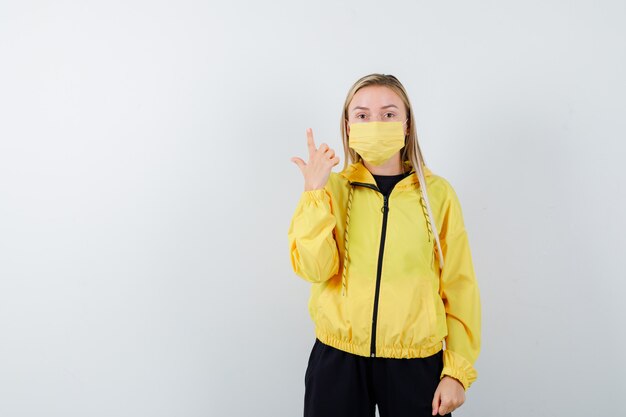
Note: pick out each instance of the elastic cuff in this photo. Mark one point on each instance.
(316, 195)
(459, 368)
(456, 374)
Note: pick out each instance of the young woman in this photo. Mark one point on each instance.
(384, 244)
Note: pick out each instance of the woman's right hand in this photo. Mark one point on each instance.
(321, 162)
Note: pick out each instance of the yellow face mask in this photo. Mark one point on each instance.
(376, 142)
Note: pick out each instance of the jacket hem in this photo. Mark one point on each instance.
(385, 352)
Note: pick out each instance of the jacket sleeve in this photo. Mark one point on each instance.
(460, 295)
(313, 250)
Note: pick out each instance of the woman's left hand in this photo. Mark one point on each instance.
(449, 395)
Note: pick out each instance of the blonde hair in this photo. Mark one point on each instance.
(410, 152)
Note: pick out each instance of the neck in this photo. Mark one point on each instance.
(392, 167)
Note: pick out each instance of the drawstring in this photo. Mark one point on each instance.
(345, 243)
(425, 211)
(429, 229)
(432, 227)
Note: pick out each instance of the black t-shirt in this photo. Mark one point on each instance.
(387, 182)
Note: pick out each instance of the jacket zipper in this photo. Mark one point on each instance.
(385, 210)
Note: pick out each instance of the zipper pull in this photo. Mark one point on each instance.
(385, 206)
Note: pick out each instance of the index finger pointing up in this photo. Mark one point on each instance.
(310, 143)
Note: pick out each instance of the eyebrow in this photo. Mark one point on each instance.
(365, 108)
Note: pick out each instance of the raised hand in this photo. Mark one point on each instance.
(321, 162)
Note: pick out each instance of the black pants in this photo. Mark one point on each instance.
(341, 384)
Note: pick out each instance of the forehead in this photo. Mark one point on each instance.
(375, 97)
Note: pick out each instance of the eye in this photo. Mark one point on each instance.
(361, 116)
(390, 115)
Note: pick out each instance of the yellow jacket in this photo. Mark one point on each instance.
(377, 286)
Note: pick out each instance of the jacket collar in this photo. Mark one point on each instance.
(357, 172)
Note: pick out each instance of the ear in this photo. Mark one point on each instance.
(347, 127)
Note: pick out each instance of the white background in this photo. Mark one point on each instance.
(146, 191)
